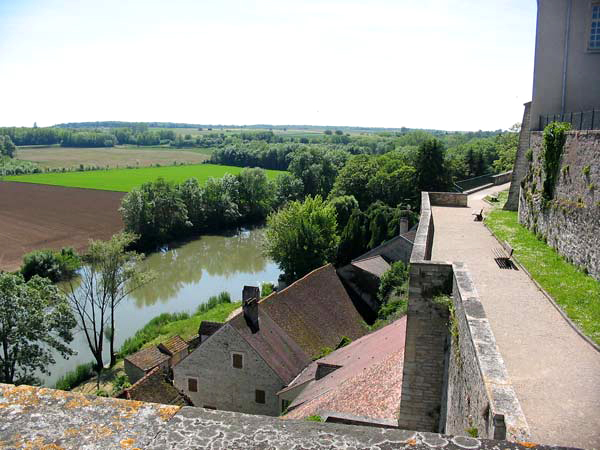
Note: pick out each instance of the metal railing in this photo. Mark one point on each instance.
(580, 120)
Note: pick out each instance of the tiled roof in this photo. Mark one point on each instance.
(147, 358)
(375, 265)
(410, 235)
(276, 348)
(155, 388)
(315, 311)
(173, 346)
(368, 383)
(208, 328)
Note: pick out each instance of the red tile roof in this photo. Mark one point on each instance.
(147, 358)
(315, 311)
(369, 383)
(173, 346)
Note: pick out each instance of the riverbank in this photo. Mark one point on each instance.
(155, 332)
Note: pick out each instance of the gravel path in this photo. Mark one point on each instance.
(555, 373)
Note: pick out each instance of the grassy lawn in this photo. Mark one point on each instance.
(187, 328)
(125, 180)
(578, 294)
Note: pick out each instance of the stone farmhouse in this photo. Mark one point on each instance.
(245, 362)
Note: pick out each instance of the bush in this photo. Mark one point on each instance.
(56, 266)
(74, 378)
(120, 382)
(266, 289)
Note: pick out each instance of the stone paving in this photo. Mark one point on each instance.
(555, 373)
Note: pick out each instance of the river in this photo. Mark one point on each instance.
(187, 275)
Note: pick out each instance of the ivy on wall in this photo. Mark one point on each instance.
(554, 141)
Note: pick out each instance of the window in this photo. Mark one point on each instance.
(237, 360)
(284, 404)
(594, 43)
(259, 396)
(192, 384)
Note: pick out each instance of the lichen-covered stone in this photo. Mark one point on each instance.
(32, 417)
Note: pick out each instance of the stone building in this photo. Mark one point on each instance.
(566, 76)
(175, 348)
(141, 363)
(243, 364)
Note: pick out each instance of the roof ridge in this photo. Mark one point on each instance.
(274, 293)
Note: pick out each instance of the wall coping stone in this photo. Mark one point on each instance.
(39, 417)
(503, 400)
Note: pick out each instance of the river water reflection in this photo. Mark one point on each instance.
(187, 275)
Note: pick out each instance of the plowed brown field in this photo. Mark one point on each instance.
(34, 216)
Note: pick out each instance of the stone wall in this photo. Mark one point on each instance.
(32, 417)
(452, 382)
(222, 386)
(502, 178)
(447, 199)
(570, 222)
(425, 348)
(520, 167)
(480, 397)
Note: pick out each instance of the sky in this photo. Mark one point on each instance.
(442, 64)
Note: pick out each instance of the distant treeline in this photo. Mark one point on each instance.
(92, 138)
(314, 128)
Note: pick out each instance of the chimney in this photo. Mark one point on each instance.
(324, 369)
(250, 298)
(403, 225)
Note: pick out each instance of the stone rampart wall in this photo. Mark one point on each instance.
(453, 383)
(480, 397)
(502, 178)
(570, 222)
(520, 166)
(447, 199)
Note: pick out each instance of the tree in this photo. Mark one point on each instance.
(7, 147)
(302, 236)
(155, 211)
(287, 188)
(315, 169)
(344, 205)
(255, 195)
(35, 322)
(110, 275)
(432, 174)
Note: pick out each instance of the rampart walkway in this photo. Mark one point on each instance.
(555, 373)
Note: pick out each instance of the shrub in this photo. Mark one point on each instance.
(120, 382)
(51, 264)
(266, 289)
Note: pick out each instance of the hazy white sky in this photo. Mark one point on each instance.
(446, 64)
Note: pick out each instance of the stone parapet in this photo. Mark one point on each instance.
(34, 417)
(480, 397)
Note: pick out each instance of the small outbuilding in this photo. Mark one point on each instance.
(176, 348)
(141, 363)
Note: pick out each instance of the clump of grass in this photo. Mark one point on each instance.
(314, 418)
(74, 378)
(576, 292)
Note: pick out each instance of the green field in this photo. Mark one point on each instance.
(125, 180)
